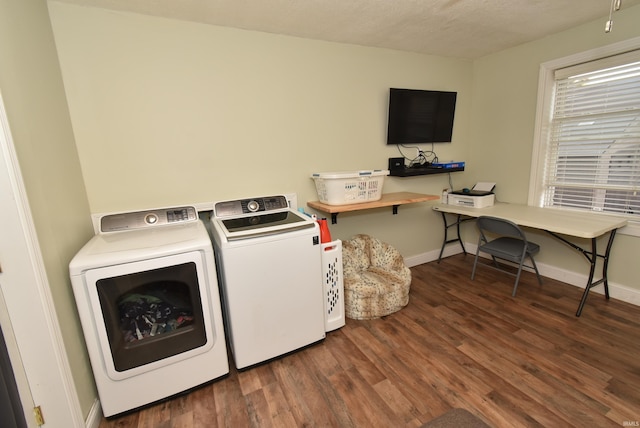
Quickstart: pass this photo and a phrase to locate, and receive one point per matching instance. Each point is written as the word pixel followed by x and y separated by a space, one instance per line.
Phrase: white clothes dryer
pixel 147 295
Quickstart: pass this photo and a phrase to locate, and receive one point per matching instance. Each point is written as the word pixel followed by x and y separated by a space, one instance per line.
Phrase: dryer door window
pixel 151 315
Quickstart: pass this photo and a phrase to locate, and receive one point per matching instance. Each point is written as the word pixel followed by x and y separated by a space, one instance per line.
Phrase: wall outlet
pixel 292 199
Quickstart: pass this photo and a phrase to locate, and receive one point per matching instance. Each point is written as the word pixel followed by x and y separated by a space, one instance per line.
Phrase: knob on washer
pixel 253 206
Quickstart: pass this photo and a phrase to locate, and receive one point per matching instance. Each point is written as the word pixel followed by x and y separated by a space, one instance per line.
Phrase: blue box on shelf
pixel 448 165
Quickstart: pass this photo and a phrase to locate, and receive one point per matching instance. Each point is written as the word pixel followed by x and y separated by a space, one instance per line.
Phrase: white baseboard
pixel 616 291
pixel 95 415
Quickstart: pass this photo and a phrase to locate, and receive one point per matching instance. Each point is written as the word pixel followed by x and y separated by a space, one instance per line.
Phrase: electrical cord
pixel 424 157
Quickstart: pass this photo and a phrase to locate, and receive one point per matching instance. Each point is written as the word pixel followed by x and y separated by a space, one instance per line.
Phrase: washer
pixel 269 266
pixel 147 295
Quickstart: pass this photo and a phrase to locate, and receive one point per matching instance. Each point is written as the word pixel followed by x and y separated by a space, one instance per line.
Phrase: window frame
pixel 544 107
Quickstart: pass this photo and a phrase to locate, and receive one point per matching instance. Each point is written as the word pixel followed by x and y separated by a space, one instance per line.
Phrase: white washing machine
pixel 147 295
pixel 269 265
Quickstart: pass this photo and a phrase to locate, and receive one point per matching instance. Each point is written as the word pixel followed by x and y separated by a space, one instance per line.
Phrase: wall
pixel 503 118
pixel 167 112
pixel 36 108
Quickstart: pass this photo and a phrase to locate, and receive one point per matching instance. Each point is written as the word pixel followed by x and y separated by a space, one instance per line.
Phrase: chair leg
pixel 475 263
pixel 515 286
pixel 495 262
pixel 535 267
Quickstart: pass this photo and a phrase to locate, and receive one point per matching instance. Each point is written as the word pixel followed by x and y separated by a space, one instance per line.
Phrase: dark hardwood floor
pixel 514 362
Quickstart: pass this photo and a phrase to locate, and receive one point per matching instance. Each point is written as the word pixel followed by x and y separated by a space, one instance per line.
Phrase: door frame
pixel 27 314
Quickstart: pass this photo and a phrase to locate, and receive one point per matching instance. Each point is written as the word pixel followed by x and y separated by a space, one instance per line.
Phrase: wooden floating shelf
pixel 393 200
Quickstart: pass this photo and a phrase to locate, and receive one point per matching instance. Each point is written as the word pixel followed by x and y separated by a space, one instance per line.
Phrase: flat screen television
pixel 418 116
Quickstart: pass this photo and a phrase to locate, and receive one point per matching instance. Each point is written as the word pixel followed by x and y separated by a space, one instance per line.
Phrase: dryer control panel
pixel 145 219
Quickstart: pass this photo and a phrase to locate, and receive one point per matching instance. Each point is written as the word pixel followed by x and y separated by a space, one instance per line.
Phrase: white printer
pixel 480 196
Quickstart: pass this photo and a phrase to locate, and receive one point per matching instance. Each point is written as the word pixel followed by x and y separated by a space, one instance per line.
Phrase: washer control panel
pixel 252 205
pixel 145 219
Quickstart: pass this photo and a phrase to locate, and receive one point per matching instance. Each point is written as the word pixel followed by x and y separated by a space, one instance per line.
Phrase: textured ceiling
pixel 454 28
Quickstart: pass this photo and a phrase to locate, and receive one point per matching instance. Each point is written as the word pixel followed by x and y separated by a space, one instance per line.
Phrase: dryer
pixel 147 294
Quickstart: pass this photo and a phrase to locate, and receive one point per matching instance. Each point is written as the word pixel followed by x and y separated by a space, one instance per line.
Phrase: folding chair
pixel 503 239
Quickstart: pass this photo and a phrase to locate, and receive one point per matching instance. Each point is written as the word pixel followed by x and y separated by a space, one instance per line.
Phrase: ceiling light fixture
pixel 615 6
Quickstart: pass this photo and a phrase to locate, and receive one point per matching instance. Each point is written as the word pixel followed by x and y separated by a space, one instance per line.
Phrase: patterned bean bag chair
pixel 376 280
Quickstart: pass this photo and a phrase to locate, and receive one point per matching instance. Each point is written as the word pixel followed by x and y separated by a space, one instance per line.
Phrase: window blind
pixel 593 157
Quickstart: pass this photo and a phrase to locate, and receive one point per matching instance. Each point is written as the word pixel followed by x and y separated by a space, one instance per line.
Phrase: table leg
pixel 593 259
pixel 592 256
pixel 446 240
pixel 605 264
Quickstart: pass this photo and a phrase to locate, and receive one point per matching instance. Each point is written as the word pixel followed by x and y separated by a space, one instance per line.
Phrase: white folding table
pixel 553 221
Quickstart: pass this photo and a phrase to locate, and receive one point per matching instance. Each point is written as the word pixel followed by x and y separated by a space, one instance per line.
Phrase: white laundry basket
pixel 332 278
pixel 342 188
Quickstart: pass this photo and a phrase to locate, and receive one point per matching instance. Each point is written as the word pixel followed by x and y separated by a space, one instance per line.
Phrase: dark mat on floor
pixel 456 418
